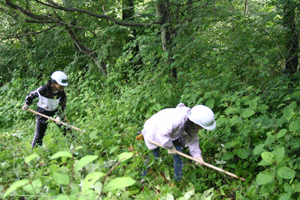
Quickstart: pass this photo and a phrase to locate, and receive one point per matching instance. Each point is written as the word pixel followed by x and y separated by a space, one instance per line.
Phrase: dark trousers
pixel 41 126
pixel 178 164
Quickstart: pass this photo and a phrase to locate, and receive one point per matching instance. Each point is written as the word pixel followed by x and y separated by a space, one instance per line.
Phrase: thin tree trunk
pixel 164 17
pixel 291 63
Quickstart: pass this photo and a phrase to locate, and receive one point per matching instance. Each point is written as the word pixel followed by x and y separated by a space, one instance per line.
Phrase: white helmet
pixel 203 116
pixel 60 77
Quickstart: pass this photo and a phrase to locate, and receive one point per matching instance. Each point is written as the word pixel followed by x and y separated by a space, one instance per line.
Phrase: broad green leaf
pixel 228 155
pixel 258 149
pixel 263 163
pixel 118 183
pixel 264 178
pixel 285 196
pixel 31 157
pixel 98 187
pixel 288 188
pixel 286 173
pixel 61 179
pixel 281 133
pixel 170 197
pixel 208 194
pixel 85 160
pixel 230 110
pixel 90 180
pixel 125 156
pixel 252 103
pixel 157 107
pixel 37 184
pixel 294 126
pixel 15 186
pixel 242 153
pixel 248 112
pixel 113 149
pixel 61 154
pixel 297 187
pixel 190 192
pixel 62 197
pixel 210 103
pixel 235 119
pixel 288 113
pixel 278 154
pixel 268 157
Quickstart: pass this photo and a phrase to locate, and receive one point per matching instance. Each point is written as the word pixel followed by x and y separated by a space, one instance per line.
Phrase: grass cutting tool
pixel 50 118
pixel 204 163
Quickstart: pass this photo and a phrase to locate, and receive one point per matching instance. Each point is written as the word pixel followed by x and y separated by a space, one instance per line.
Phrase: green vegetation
pixel 240 61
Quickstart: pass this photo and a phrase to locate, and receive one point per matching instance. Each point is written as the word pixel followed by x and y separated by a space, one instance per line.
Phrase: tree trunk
pixel 291 43
pixel 128 15
pixel 166 33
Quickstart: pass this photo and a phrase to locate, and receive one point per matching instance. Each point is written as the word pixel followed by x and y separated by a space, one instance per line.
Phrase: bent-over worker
pixel 175 128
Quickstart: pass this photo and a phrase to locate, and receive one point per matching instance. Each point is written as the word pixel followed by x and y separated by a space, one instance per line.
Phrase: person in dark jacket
pixel 52 101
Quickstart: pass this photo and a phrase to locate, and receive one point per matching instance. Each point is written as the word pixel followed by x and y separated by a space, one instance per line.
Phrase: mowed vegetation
pixel 127 60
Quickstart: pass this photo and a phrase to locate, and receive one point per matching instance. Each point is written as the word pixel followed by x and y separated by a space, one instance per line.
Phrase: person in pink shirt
pixel 175 128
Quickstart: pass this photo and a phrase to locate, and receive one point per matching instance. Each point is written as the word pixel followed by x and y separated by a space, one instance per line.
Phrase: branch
pixel 26 12
pixel 31 33
pixel 56 6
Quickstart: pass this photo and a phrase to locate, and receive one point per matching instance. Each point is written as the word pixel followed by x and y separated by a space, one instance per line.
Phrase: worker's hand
pixel 140 137
pixel 200 160
pixel 25 107
pixel 58 120
pixel 172 150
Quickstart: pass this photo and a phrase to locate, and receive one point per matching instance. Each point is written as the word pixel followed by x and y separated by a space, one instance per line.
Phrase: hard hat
pixel 60 77
pixel 203 116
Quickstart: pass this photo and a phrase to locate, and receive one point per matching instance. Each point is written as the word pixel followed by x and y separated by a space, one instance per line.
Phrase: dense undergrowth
pixel 257 138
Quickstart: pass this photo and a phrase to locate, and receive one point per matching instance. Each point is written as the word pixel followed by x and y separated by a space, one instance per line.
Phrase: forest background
pixel 128 59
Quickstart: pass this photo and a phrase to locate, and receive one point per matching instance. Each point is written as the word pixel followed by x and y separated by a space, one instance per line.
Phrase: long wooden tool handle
pixel 50 118
pixel 194 159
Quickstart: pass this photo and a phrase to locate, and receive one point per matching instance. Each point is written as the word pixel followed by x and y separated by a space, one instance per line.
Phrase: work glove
pixel 200 160
pixel 172 150
pixel 58 120
pixel 139 137
pixel 25 107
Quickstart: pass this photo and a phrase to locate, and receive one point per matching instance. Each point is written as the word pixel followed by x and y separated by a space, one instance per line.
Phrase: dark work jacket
pixel 46 91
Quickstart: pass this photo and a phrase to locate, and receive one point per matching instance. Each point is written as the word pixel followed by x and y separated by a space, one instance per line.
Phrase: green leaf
pixel 288 113
pixel 294 126
pixel 285 196
pixel 228 155
pixel 297 187
pixel 118 183
pixel 61 179
pixel 113 149
pixel 278 153
pixel 264 178
pixel 210 103
pixel 248 112
pixel 37 184
pixel 90 180
pixel 62 197
pixel 61 154
pixel 85 160
pixel 281 133
pixel 253 103
pixel 31 157
pixel 268 157
pixel 259 149
pixel 242 153
pixel 125 156
pixel 286 173
pixel 15 186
